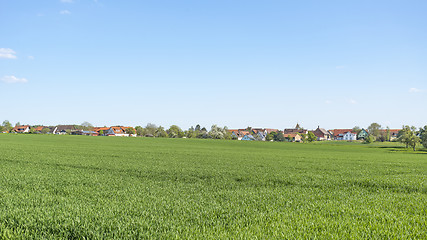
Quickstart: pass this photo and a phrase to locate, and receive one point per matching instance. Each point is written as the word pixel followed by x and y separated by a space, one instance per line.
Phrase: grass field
pixel 79 187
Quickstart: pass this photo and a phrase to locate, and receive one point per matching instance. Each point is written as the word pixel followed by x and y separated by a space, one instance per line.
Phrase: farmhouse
pixel 339 134
pixel 350 136
pixel 293 136
pixel 322 134
pixel 362 134
pixel 119 131
pixel 394 133
pixel 295 130
pixel 64 129
pixel 21 129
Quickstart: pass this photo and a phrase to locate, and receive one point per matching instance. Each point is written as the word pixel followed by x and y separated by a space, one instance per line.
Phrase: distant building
pixel 295 130
pixel 339 133
pixel 248 137
pixel 350 136
pixel 322 134
pixel 21 129
pixel 64 129
pixel 293 136
pixel 119 131
pixel 363 134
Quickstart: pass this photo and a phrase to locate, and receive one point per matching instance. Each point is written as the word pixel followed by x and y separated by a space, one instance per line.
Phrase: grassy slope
pixel 105 187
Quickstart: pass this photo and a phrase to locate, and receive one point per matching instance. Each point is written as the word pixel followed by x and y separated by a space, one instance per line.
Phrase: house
pixel 293 136
pixel 270 130
pixel 362 134
pixel 119 131
pixel 350 136
pixel 339 133
pixel 322 134
pixel 99 129
pixel 85 133
pixel 394 133
pixel 40 129
pixel 248 137
pixel 295 130
pixel 64 129
pixel 259 133
pixel 21 129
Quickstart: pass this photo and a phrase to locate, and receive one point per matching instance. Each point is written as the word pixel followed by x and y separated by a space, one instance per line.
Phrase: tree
pixel 303 137
pixel 175 132
pixel 130 131
pixel 279 137
pixel 45 130
pixel 423 134
pixel 1 129
pixel 369 139
pixel 387 136
pixel 7 126
pixel 408 136
pixel 17 124
pixel 218 132
pixel 374 129
pixel 150 129
pixel 357 129
pixel 270 136
pixel 160 132
pixel 140 131
pixel 87 126
pixel 311 137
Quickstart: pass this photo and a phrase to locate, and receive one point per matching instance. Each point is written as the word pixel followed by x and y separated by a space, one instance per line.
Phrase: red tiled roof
pixel 338 132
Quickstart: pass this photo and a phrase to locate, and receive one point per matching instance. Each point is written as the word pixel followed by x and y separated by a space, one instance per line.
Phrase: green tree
pixel 130 131
pixel 408 136
pixel 279 137
pixel 387 136
pixel 175 132
pixel 160 132
pixel 218 132
pixel 150 129
pixel 1 129
pixel 423 134
pixel 45 130
pixel 369 139
pixel 374 130
pixel 311 137
pixel 139 131
pixel 270 136
pixel 357 129
pixel 86 126
pixel 303 137
pixel 7 126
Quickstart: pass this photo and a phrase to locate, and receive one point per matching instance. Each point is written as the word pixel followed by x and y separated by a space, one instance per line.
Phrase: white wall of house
pixel 348 136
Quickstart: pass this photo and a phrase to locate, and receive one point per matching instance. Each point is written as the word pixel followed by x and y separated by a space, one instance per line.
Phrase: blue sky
pixel 336 64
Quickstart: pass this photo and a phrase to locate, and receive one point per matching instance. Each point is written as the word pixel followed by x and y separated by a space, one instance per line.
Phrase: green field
pixel 80 187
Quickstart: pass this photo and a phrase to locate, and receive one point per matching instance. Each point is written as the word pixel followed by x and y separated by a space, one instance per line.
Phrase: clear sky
pixel 272 64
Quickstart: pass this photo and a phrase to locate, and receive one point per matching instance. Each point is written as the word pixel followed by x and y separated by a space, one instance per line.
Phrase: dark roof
pixel 61 128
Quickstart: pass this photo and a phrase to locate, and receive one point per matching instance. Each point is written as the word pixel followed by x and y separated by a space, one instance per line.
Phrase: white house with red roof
pixel 21 129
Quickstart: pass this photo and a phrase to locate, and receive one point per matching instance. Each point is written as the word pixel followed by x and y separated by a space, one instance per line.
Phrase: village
pixel 296 134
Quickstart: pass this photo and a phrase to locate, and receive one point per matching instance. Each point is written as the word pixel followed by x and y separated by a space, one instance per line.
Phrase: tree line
pixel 408 135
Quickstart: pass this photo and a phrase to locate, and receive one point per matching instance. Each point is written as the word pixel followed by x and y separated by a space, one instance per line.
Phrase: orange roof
pixel 22 127
pixel 39 128
pixel 97 129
